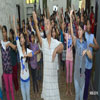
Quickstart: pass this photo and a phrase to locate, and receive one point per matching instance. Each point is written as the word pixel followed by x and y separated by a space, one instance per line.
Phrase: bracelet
pixel 17 37
pixel 32 53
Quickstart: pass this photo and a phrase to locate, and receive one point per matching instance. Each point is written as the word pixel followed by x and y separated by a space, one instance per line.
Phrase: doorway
pixel 18 14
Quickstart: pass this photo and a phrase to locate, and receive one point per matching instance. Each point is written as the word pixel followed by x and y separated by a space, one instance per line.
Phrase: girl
pixel 81 53
pixel 33 62
pixel 92 44
pixel 24 53
pixel 13 55
pixel 69 59
pixel 53 34
pixel 6 62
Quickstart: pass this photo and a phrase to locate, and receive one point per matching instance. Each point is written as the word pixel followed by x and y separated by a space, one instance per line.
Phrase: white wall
pixel 8 8
pixel 60 3
pixel 41 5
pixel 76 4
pixel 93 4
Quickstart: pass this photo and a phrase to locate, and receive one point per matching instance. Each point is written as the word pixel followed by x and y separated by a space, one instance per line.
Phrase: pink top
pixel 69 51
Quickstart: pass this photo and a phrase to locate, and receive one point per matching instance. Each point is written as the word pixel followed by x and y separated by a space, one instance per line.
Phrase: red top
pixel 92 26
pixel 91 16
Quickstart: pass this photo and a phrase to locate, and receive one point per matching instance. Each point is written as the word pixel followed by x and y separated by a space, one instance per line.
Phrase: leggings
pixel 69 70
pixel 34 78
pixel 9 85
pixel 87 82
pixel 15 78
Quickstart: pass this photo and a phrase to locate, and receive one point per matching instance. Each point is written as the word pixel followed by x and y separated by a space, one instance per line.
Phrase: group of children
pixel 41 37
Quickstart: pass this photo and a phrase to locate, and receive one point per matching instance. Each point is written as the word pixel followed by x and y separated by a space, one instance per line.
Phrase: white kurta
pixel 50 90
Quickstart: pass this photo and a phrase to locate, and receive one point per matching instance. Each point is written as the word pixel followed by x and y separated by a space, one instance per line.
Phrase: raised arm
pixel 48 13
pixel 37 29
pixel 73 37
pixel 15 26
pixel 32 30
pixel 0 27
pixel 63 25
pixel 17 38
pixel 11 26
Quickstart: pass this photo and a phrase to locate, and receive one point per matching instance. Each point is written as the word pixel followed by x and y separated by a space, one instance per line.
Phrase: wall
pixel 60 3
pixel 76 4
pixel 97 70
pixel 93 4
pixel 30 8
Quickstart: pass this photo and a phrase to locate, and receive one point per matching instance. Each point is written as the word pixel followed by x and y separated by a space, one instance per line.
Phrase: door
pixel 18 14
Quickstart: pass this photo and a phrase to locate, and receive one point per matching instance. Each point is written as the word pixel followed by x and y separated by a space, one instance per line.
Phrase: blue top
pixel 89 40
pixel 62 38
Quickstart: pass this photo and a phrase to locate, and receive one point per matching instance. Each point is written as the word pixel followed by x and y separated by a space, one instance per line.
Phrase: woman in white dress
pixel 50 47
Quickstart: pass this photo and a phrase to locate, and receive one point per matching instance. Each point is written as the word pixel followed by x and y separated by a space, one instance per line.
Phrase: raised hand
pixel 63 17
pixel 71 12
pixel 35 18
pixel 48 13
pixel 29 21
pixel 36 27
pixel 0 26
pixel 57 15
pixel 14 21
pixel 14 25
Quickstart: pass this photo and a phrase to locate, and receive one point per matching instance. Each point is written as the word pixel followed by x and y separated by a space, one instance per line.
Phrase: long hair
pixel 4 27
pixel 52 31
pixel 12 32
pixel 25 44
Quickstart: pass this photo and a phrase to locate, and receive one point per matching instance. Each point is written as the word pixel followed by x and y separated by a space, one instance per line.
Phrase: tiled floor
pixel 62 86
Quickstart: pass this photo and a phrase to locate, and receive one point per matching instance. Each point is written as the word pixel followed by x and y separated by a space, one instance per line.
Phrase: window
pixel 31 1
pixel 82 4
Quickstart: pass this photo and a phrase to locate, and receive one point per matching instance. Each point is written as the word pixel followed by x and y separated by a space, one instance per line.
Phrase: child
pixel 69 59
pixel 33 62
pixel 50 48
pixel 53 34
pixel 6 62
pixel 80 60
pixel 92 44
pixel 24 53
pixel 13 55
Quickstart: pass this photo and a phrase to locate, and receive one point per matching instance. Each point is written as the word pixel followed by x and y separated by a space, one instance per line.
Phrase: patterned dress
pixel 50 90
pixel 6 60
